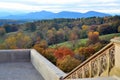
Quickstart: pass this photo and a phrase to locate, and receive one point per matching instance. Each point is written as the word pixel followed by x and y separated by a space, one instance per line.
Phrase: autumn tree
pixel 30 26
pixel 61 52
pixel 51 37
pixel 106 29
pixel 93 28
pixel 119 29
pixel 38 39
pixel 73 38
pixel 41 47
pixel 18 41
pixel 10 28
pixel 97 46
pixel 84 52
pixel 2 31
pixel 67 31
pixel 49 54
pixel 93 37
pixel 68 63
pixel 76 29
pixel 84 27
pixel 83 31
pixel 60 36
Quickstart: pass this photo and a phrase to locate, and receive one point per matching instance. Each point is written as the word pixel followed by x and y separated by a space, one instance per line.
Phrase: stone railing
pixel 99 64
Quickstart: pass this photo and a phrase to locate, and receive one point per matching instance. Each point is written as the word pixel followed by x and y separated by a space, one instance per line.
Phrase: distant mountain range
pixel 50 15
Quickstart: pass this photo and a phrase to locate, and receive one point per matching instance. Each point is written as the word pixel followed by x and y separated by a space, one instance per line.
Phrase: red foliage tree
pixel 61 52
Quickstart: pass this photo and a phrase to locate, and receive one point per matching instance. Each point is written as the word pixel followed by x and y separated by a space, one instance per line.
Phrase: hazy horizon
pixel 26 6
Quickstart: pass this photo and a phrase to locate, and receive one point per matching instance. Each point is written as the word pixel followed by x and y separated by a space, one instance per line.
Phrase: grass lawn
pixel 83 41
pixel 109 36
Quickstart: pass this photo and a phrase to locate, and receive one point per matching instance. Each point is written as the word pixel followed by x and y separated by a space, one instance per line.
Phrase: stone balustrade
pixel 97 65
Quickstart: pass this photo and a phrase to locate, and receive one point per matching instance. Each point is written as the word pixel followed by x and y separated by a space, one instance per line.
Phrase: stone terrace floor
pixel 19 71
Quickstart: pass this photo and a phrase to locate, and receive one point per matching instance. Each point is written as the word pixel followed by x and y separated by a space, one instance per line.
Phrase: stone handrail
pixel 97 65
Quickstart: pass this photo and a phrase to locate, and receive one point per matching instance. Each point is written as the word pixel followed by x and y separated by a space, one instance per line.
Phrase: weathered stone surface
pixel 19 71
pixel 11 58
pixel 100 78
pixel 14 55
pixel 116 42
pixel 45 68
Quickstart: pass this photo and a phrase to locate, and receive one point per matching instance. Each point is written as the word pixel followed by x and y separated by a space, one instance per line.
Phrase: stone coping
pixel 38 60
pixel 116 40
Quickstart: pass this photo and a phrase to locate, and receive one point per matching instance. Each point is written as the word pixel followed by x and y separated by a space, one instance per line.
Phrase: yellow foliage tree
pixel 84 27
pixel 17 41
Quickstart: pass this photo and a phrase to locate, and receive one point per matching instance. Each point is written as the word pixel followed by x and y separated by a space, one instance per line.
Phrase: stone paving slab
pixel 19 71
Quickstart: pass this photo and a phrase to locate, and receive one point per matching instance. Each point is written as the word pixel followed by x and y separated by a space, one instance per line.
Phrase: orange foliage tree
pixel 93 37
pixel 61 52
pixel 41 47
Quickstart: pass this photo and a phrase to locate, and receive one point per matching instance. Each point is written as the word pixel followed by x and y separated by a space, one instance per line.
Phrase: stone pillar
pixel 116 42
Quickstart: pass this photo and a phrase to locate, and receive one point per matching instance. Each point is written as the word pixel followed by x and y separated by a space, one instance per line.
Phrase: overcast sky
pixel 107 6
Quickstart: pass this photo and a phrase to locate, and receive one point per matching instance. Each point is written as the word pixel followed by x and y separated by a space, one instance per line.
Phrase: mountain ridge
pixel 51 15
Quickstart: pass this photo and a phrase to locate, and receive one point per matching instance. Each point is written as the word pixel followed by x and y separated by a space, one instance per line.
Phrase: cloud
pixel 107 6
pixel 17 6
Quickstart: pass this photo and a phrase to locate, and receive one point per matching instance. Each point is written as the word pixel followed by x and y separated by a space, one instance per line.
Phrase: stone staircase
pixel 103 65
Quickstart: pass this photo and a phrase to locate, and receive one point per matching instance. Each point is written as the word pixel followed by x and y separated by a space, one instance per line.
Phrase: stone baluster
pixel 94 65
pixel 90 69
pixel 111 58
pixel 79 73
